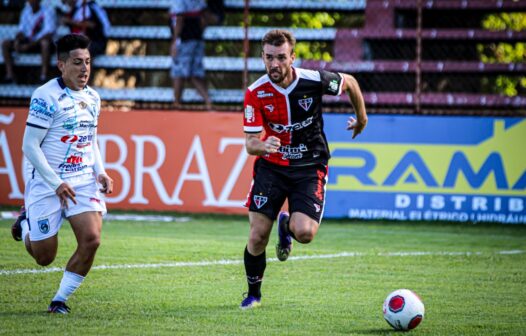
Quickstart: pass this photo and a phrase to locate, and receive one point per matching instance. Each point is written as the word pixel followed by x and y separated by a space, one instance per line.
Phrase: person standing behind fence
pixel 90 19
pixel 35 32
pixel 188 48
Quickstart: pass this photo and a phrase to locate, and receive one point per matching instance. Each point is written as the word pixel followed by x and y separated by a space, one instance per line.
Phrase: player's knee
pixel 304 236
pixel 258 240
pixel 90 244
pixel 44 259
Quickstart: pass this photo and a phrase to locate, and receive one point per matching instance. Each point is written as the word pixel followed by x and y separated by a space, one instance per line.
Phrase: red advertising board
pixel 160 160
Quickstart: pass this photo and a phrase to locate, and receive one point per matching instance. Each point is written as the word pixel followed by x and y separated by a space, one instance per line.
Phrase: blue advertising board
pixel 428 168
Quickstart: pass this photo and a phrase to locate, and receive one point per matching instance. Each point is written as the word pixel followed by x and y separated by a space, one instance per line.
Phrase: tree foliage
pixel 505 52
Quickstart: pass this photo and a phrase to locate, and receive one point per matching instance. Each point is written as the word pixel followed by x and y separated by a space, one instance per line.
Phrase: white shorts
pixel 45 215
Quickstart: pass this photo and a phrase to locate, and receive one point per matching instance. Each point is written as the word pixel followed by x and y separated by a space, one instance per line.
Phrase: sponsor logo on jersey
pixel 278 128
pixel 67 108
pixel 43 225
pixel 74 159
pixel 70 123
pixel 263 94
pixel 260 201
pixel 249 113
pixel 84 141
pixel 39 106
pixel 292 153
pixel 270 108
pixel 69 139
pixel 305 103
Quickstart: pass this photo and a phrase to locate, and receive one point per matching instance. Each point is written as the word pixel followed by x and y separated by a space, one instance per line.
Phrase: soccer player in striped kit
pixel 283 125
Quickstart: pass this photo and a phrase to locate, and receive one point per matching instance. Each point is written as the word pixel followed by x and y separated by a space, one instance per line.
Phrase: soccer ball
pixel 403 309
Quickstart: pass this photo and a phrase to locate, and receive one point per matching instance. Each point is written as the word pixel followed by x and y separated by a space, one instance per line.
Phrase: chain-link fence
pixel 409 56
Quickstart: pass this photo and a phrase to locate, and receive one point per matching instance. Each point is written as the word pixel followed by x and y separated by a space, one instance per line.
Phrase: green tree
pixel 505 52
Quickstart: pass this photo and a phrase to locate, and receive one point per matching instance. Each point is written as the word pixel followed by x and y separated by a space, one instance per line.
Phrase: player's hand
pixel 272 144
pixel 107 184
pixel 65 192
pixel 356 126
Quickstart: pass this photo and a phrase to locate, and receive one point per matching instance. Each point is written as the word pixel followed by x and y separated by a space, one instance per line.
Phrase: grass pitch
pixel 472 279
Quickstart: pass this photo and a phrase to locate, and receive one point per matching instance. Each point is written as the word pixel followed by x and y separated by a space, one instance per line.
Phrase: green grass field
pixel 480 290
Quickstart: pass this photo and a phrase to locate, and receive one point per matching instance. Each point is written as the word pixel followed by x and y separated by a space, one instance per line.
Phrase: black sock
pixel 254 267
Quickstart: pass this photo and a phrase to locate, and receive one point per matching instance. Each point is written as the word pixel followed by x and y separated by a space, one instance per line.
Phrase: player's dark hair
pixel 71 42
pixel 278 37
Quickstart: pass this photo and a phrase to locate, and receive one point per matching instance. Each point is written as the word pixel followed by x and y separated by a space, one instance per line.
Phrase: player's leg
pixel 85 218
pixel 306 204
pixel 303 227
pixel 265 199
pixel 255 258
pixel 87 228
pixel 40 229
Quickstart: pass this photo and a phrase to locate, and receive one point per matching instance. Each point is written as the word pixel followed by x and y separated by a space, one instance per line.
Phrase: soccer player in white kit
pixel 65 166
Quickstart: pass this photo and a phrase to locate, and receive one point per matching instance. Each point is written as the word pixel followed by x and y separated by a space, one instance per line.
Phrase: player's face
pixel 278 62
pixel 76 69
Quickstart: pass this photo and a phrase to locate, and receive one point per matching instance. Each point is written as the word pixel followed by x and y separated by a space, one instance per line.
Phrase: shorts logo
pixel 93 199
pixel 43 225
pixel 260 201
pixel 317 207
pixel 305 103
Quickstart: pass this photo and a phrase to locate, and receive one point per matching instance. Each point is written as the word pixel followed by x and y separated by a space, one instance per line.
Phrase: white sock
pixel 25 229
pixel 69 284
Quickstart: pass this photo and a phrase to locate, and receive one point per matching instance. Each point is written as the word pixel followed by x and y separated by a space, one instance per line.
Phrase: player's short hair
pixel 71 42
pixel 278 37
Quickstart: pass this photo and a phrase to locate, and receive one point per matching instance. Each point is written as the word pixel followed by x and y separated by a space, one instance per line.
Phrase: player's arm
pixel 255 146
pixel 33 137
pixel 351 87
pixel 102 177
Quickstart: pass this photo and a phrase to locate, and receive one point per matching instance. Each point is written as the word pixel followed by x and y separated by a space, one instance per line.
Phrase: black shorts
pixel 303 186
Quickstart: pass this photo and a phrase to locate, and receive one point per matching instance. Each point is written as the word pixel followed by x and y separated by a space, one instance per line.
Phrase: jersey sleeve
pixel 252 118
pixel 41 110
pixel 331 82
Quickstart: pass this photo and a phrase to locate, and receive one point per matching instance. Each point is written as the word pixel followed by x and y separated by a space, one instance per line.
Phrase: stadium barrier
pixel 400 168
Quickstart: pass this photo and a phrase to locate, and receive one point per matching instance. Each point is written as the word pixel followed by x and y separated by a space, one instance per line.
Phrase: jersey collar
pixel 292 85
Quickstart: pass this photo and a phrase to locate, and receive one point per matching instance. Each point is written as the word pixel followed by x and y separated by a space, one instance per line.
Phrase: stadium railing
pixel 349 50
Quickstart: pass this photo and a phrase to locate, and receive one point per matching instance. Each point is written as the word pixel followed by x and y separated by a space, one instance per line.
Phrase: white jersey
pixel 71 119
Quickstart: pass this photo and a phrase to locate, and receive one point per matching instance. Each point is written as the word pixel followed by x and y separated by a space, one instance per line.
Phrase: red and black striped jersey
pixel 293 114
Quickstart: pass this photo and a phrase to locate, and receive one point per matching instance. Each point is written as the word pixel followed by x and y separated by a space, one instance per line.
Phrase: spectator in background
pixel 90 19
pixel 188 48
pixel 35 32
pixel 214 13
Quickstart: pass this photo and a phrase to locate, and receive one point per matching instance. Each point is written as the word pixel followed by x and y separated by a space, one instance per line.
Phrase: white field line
pixel 238 262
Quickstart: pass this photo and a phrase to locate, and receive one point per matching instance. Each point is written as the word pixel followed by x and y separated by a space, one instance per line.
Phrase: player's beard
pixel 280 78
